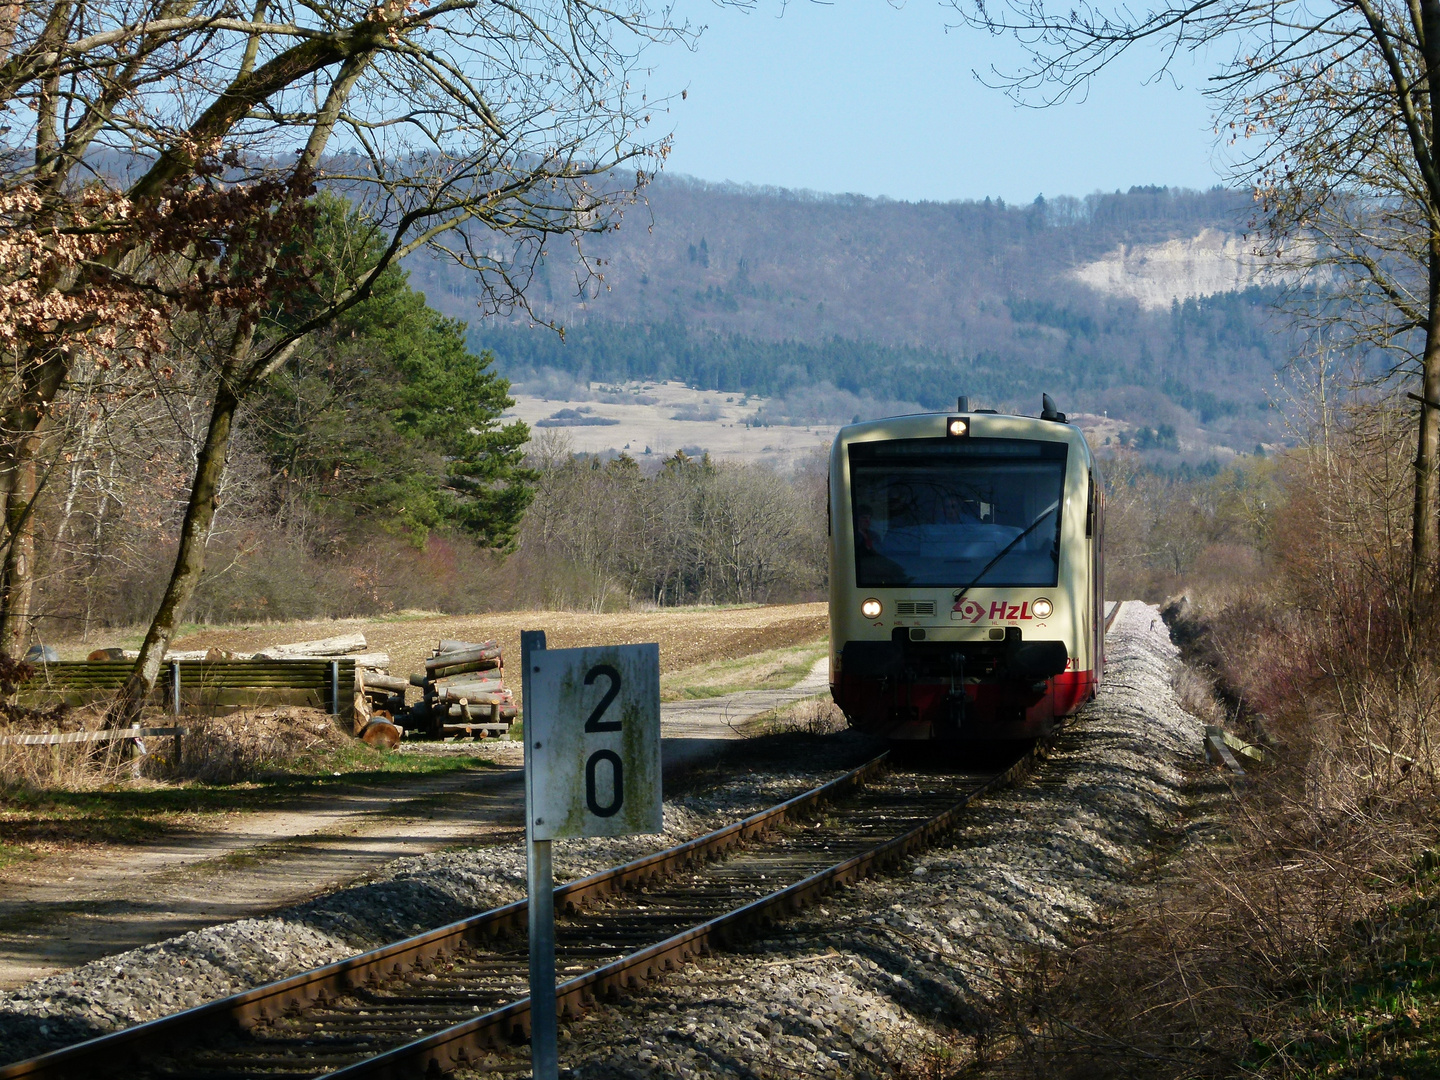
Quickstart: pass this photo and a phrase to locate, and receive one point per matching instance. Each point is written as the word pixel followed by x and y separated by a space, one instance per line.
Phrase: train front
pixel 965 575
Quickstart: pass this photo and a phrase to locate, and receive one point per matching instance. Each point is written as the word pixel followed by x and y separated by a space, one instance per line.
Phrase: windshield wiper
pixel 1007 549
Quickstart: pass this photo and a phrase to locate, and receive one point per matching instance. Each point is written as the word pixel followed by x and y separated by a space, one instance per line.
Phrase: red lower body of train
pixel 951 691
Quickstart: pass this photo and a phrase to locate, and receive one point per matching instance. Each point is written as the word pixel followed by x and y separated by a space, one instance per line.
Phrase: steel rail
pixel 108 1053
pixel 462 1044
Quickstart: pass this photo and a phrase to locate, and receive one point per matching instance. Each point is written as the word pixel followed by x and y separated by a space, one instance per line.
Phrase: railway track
pixel 444 998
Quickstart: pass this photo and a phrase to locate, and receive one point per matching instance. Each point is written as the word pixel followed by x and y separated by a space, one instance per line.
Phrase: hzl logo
pixel 973 611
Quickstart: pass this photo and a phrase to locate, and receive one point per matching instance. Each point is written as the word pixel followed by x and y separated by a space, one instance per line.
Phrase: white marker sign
pixel 592 735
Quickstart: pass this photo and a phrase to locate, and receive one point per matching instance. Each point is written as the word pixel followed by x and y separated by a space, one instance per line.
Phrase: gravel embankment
pixel 411 895
pixel 891 977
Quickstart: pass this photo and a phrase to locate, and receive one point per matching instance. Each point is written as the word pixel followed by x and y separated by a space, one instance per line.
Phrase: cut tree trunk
pixel 469 693
pixel 391 683
pixel 344 645
pixel 487 651
pixel 376 661
pixel 450 645
pixel 484 678
pixel 462 669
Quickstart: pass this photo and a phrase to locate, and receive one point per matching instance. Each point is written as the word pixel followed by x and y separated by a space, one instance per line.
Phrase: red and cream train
pixel 966 574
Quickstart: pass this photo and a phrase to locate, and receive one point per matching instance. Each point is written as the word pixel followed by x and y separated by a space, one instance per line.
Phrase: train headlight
pixel 1042 608
pixel 870 608
pixel 958 426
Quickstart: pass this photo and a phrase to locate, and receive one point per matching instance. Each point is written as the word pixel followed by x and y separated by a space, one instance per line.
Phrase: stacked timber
pixel 464 691
pixel 378 694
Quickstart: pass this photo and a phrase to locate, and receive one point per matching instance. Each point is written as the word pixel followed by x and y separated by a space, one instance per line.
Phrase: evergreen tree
pixel 388 416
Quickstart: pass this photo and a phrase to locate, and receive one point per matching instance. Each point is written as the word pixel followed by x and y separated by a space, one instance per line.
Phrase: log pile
pixel 379 696
pixel 464 691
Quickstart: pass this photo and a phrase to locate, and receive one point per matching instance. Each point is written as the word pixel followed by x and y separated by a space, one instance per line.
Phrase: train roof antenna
pixel 964 405
pixel 1048 410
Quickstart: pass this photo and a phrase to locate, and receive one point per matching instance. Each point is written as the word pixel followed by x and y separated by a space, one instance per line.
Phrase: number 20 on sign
pixel 592 728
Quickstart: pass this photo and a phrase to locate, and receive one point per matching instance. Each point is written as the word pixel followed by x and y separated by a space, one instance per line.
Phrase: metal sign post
pixel 592 768
pixel 540 882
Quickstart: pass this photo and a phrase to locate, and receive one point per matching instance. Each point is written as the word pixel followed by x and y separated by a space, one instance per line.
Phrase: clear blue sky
pixel 859 96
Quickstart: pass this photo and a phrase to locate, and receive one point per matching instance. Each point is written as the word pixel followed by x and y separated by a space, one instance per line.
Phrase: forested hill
pixel 1144 303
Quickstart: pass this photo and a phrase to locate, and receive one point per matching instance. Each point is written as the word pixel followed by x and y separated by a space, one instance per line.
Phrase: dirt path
pixel 723 717
pixel 71 909
pixel 77 908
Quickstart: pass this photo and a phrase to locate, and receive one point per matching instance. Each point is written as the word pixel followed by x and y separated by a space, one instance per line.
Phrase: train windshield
pixel 932 512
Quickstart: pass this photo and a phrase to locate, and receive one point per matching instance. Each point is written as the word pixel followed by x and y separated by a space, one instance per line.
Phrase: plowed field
pixel 687 636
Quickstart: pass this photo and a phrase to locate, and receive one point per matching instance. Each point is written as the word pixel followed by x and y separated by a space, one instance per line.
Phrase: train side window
pixel 1090 510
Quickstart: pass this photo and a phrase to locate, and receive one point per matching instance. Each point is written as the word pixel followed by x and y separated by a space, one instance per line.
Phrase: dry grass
pixel 1275 951
pixel 73 766
pixel 1233 965
pixel 773 669
pixel 813 716
pixel 703 651
pixel 215 749
pixel 247 744
pixel 687 636
pixel 260 758
pixel 1275 941
pixel 254 760
pixel 653 423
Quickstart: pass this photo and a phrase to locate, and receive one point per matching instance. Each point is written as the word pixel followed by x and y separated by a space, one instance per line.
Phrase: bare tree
pixel 1329 108
pixel 693 532
pixel 171 151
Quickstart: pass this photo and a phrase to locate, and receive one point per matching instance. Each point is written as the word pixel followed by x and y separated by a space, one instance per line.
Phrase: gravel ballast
pixel 890 977
pixel 411 895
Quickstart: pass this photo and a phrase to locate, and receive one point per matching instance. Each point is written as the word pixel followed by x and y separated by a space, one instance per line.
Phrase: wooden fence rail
pixel 61 738
pixel 324 683
pixel 138 734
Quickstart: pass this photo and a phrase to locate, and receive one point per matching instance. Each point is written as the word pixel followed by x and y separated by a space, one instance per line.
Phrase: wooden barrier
pixel 224 684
